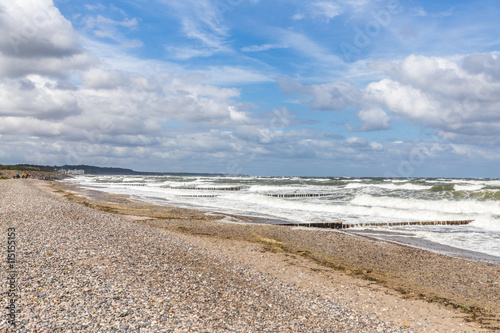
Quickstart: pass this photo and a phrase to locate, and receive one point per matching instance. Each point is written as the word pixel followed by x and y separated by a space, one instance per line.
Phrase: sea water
pixel 336 199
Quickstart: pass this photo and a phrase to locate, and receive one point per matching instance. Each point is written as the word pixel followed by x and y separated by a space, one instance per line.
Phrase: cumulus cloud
pixel 355 142
pixel 80 111
pixel 36 97
pixel 62 105
pixel 486 64
pixel 35 32
pixel 459 99
pixel 454 98
pixel 333 96
pixel 374 120
pixel 32 30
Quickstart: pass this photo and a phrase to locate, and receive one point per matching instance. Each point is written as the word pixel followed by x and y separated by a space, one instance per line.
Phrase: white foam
pixel 392 186
pixel 487 222
pixel 440 206
pixel 470 187
pixel 359 200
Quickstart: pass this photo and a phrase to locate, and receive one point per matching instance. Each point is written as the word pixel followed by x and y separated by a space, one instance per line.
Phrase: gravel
pixel 89 271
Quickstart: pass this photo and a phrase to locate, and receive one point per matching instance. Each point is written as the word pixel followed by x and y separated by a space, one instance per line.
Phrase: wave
pixel 441 206
pixel 442 188
pixel 349 200
pixel 393 186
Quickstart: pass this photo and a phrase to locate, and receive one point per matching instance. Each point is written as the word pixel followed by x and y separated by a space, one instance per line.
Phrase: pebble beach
pixel 81 269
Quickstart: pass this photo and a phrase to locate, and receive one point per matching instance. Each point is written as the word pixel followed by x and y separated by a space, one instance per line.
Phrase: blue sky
pixel 319 88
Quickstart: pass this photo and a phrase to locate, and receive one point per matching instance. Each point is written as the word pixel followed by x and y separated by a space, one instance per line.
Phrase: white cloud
pixel 356 142
pixel 404 100
pixel 298 17
pixel 319 10
pixel 201 21
pixel 35 30
pixel 116 113
pixel 446 13
pixel 446 95
pixel 118 59
pixel 459 99
pixel 97 78
pixel 326 97
pixel 97 7
pixel 474 152
pixel 421 12
pixel 333 96
pixel 99 22
pixel 29 126
pixel 485 64
pixel 362 144
pixel 376 146
pixel 186 53
pixel 107 28
pixel 325 9
pixel 31 33
pixel 309 48
pixel 264 47
pixel 37 98
pixel 225 75
pixel 70 98
pixel 52 66
pixel 374 120
pixel 356 4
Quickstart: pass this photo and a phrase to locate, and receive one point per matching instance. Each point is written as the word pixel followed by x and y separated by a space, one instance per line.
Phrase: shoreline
pixel 394 237
pixel 426 245
pixel 459 287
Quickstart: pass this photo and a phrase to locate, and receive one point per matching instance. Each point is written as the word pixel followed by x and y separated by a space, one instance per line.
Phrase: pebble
pixel 89 271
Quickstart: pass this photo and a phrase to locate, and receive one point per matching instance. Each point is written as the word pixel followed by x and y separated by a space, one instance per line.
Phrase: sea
pixel 368 204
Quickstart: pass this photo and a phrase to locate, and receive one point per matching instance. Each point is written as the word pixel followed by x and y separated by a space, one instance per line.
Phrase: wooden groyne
pixel 299 195
pixel 198 196
pixel 231 188
pixel 340 225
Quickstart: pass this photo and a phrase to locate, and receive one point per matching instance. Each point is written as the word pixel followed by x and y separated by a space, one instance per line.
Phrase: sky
pixel 389 88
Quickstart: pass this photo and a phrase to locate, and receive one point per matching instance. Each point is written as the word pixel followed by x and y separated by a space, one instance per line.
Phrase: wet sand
pixel 419 243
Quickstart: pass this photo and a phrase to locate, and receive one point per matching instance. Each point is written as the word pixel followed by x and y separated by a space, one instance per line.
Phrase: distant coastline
pixel 95 170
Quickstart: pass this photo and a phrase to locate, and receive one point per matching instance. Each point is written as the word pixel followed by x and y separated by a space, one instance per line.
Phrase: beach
pixel 107 263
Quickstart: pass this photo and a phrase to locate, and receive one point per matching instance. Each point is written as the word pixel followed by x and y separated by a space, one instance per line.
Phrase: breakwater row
pixel 299 195
pixel 231 188
pixel 340 225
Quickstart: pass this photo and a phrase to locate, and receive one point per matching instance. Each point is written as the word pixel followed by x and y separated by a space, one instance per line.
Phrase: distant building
pixel 75 172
